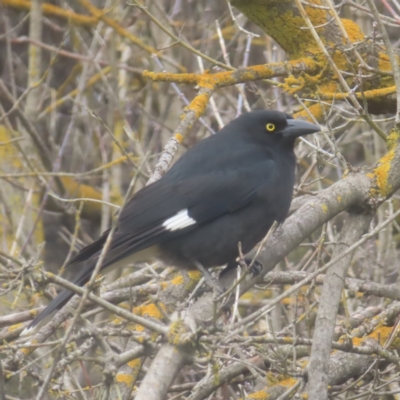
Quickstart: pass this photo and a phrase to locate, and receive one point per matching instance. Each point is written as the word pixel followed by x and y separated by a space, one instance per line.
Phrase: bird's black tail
pixel 58 302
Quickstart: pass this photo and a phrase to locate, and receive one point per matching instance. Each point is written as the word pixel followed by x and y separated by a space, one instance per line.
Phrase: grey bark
pixel 318 370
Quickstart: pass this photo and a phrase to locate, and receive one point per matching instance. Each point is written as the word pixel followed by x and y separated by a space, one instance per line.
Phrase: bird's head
pixel 274 126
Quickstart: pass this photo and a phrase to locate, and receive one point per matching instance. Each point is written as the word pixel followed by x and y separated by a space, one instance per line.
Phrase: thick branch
pixel 161 373
pixel 354 227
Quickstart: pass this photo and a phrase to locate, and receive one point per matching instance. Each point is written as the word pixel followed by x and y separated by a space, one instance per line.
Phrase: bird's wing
pixel 160 211
pixel 164 210
pixel 204 197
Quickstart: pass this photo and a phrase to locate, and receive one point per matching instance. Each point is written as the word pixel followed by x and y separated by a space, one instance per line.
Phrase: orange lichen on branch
pixel 292 84
pixel 198 104
pixel 189 79
pixel 14 327
pixel 210 82
pixel 393 139
pixel 26 351
pixel 275 390
pixel 189 279
pixel 195 275
pixel 178 280
pixel 135 364
pixel 148 310
pixel 380 174
pixel 229 78
pixel 384 62
pixel 316 110
pixel 128 374
pixel 100 14
pixel 288 382
pixel 52 10
pixel 368 94
pixel 179 137
pixel 381 335
pixel 284 22
pixel 353 31
pixel 127 379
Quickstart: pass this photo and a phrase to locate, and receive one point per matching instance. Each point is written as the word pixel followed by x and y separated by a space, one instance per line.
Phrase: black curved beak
pixel 298 127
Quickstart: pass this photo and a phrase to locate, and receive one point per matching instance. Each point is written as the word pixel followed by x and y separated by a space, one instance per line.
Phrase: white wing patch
pixel 27 331
pixel 178 221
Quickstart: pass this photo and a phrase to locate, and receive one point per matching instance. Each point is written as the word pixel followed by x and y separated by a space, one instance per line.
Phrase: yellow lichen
pixel 324 208
pixel 175 331
pixel 195 275
pixel 353 30
pixel 384 62
pixel 138 328
pixel 178 280
pixel 136 363
pixel 27 350
pixel 289 382
pixel 292 84
pixel 381 174
pixel 14 327
pixel 260 395
pixel 316 110
pixel 264 395
pixel 393 139
pixel 317 15
pixel 381 334
pixel 117 321
pixel 50 9
pixel 178 137
pixel 124 378
pixel 148 310
pixel 198 104
pixel 357 341
pixel 191 79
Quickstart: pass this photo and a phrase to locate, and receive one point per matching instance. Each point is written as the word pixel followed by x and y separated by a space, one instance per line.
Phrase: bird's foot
pixel 255 267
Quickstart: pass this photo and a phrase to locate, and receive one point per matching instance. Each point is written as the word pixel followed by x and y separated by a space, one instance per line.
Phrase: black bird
pixel 228 188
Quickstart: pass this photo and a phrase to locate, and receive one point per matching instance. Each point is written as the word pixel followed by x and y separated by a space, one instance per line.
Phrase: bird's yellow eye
pixel 270 127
